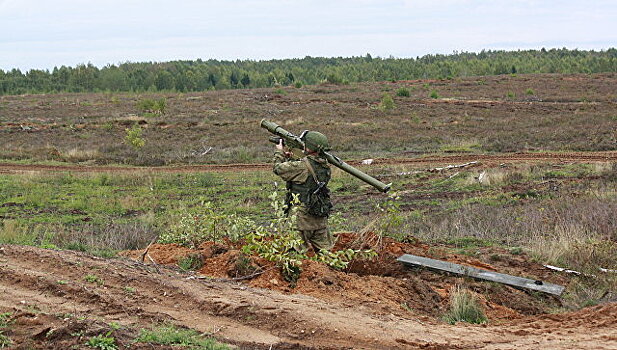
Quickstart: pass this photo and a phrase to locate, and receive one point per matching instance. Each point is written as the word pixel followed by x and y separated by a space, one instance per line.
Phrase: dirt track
pixel 610 156
pixel 260 318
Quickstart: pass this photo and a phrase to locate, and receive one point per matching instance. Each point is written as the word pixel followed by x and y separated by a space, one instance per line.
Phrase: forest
pixel 200 75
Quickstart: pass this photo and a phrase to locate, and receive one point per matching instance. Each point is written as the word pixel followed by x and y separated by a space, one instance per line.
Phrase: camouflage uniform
pixel 313 229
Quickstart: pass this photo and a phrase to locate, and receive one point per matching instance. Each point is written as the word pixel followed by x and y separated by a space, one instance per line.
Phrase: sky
pixel 43 34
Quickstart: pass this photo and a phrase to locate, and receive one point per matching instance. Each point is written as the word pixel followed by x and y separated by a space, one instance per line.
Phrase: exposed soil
pixel 328 309
pixel 382 285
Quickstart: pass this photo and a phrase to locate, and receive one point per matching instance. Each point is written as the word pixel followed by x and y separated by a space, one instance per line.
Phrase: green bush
pixel 529 92
pixel 387 103
pixel 207 223
pixel 434 94
pixel 152 107
pixel 134 137
pixel 403 92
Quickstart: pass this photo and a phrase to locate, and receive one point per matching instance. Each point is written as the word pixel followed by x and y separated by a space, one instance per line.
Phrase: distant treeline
pixel 201 75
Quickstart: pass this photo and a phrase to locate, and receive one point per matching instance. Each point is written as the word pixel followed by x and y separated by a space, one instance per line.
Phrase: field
pixel 533 182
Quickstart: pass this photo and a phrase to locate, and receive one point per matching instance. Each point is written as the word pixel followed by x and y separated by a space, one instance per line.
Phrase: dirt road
pixel 609 156
pixel 54 282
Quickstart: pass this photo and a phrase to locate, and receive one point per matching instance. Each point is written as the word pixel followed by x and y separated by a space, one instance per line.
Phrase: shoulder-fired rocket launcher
pixel 293 141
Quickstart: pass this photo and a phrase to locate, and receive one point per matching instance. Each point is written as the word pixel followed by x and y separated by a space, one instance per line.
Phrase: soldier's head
pixel 315 142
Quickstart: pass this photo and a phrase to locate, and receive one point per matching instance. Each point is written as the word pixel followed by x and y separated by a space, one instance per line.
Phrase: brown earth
pixel 376 305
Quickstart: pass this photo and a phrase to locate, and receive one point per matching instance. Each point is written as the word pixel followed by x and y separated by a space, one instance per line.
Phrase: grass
pixel 191 262
pixel 5 341
pixel 93 279
pixel 464 307
pixel 560 214
pixel 102 342
pixel 168 334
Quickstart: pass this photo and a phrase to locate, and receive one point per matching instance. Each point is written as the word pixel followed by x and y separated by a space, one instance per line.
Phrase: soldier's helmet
pixel 316 141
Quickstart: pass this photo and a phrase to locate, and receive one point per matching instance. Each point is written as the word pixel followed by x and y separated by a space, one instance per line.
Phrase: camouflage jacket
pixel 297 172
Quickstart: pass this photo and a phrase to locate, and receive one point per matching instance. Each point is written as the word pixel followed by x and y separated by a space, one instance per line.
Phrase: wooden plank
pixel 519 282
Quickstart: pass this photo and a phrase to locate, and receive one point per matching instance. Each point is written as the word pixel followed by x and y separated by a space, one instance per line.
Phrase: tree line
pixel 199 75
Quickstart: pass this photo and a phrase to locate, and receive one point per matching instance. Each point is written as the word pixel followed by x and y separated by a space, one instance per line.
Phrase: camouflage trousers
pixel 317 239
pixel 314 232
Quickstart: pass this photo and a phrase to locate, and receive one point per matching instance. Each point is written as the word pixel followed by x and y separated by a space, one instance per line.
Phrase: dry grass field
pixel 507 113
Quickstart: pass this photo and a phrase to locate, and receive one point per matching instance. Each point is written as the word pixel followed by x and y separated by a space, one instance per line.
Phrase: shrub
pixel 207 224
pixel 387 103
pixel 403 92
pixel 279 243
pixel 434 94
pixel 464 307
pixel 529 92
pixel 152 107
pixel 510 95
pixel 298 85
pixel 191 262
pixel 134 137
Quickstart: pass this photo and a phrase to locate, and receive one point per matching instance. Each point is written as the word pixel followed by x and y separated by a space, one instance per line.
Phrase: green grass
pixel 93 279
pixel 178 337
pixel 464 307
pixel 5 341
pixel 102 342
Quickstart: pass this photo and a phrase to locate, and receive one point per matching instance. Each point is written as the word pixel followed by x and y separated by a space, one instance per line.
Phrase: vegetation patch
pixel 464 307
pixel 168 334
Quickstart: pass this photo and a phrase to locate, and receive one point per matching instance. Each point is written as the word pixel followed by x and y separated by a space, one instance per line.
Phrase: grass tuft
pixel 464 308
pixel 171 335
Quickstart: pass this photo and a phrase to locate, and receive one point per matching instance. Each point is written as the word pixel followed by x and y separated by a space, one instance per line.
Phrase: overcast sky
pixel 42 34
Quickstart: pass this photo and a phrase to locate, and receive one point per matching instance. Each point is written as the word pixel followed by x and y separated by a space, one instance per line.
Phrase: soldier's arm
pixel 289 170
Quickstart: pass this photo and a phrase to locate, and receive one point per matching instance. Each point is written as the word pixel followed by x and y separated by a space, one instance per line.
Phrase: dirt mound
pixel 382 284
pixel 53 305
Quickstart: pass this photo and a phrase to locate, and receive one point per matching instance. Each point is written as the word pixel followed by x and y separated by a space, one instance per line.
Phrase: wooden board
pixel 519 282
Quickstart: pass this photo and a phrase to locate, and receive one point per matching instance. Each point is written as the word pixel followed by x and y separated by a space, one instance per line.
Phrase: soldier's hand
pixel 279 145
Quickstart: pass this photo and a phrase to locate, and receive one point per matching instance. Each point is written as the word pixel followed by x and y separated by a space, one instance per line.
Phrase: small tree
pixel 134 137
pixel 387 103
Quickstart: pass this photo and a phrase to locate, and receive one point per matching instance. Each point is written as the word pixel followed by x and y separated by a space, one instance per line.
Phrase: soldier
pixel 308 179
